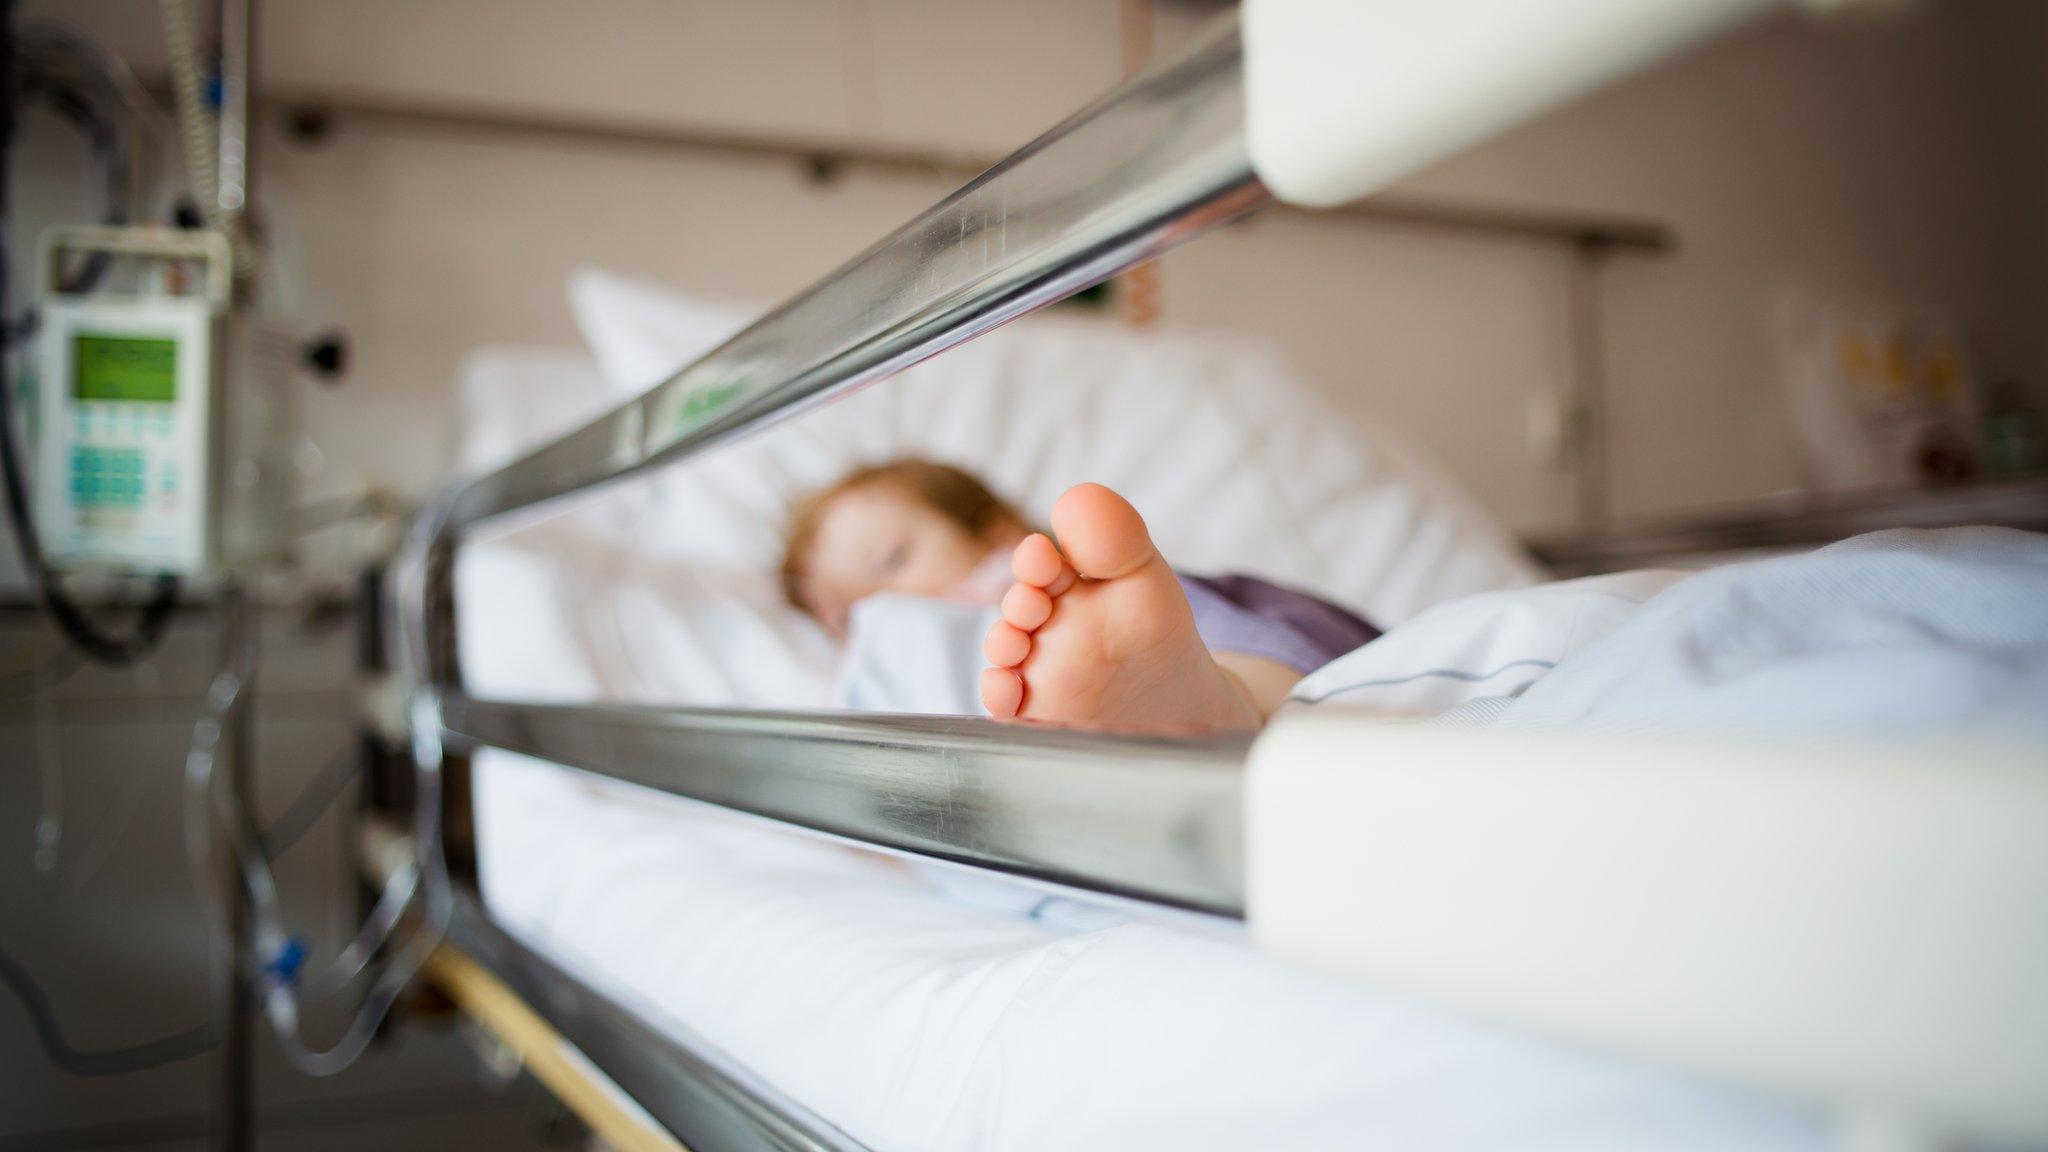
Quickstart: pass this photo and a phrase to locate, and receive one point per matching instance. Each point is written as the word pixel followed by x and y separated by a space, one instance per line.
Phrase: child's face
pixel 879 538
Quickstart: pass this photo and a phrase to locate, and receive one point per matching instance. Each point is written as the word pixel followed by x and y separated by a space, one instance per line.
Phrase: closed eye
pixel 894 558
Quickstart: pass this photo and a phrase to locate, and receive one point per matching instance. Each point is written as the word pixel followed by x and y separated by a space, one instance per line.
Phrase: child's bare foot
pixel 1102 636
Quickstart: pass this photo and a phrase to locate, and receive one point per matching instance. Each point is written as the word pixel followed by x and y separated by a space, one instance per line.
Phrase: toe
pixel 1026 607
pixel 1038 563
pixel 1100 533
pixel 1002 692
pixel 1006 645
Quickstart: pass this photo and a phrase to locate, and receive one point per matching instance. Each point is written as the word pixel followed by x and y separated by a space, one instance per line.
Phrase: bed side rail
pixel 1155 820
pixel 1151 165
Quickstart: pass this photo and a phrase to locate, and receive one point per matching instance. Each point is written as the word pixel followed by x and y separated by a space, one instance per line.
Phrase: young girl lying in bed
pixel 1096 629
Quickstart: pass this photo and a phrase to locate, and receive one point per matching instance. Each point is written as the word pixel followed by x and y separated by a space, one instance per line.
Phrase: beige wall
pixel 1801 165
pixel 1794 162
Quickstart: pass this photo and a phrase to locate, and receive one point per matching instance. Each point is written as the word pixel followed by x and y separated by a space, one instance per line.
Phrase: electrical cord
pixel 58 44
pixel 88 89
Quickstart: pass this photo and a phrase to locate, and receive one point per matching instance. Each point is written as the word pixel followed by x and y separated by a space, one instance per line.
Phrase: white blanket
pixel 1886 632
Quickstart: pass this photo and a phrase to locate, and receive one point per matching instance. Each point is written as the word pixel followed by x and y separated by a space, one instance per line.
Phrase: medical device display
pixel 128 422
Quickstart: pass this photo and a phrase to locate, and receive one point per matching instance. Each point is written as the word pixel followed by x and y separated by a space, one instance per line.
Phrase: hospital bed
pixel 1849 934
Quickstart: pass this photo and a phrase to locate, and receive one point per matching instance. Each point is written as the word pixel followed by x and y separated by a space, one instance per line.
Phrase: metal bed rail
pixel 1152 819
pixel 1156 162
pixel 1153 164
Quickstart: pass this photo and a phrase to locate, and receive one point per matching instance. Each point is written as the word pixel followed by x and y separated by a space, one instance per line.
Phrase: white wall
pixel 1799 163
pixel 1793 162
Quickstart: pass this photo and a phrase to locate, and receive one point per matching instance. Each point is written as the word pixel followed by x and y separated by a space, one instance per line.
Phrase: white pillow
pixel 1236 467
pixel 642 335
pixel 516 399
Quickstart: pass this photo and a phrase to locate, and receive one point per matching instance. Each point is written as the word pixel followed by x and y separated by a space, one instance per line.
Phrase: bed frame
pixel 1859 928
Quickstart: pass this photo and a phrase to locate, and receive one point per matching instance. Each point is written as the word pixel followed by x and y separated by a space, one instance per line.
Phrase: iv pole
pixel 237 619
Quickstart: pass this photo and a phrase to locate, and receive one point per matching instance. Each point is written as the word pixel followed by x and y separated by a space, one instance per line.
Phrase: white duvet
pixel 1906 630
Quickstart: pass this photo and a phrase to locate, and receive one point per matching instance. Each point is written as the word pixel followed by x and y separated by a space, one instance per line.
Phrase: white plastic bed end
pixel 1864 924
pixel 1343 97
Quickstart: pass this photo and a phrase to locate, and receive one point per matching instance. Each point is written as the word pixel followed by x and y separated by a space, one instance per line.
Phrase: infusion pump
pixel 133 432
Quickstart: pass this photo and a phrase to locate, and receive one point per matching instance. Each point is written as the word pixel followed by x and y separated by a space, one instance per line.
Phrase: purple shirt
pixel 1247 615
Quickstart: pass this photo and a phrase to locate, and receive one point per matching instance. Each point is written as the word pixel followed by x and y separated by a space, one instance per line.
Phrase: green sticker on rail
pixel 700 404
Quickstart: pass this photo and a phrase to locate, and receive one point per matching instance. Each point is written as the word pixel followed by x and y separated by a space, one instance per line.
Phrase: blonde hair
pixel 954 493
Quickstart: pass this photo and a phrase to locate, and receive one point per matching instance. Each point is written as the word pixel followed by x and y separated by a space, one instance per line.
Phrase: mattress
pixel 918 1010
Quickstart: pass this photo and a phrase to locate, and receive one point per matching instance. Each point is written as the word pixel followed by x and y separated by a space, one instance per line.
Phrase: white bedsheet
pixel 914 1020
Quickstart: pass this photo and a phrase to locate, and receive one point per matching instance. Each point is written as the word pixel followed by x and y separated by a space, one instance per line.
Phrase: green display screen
pixel 124 368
